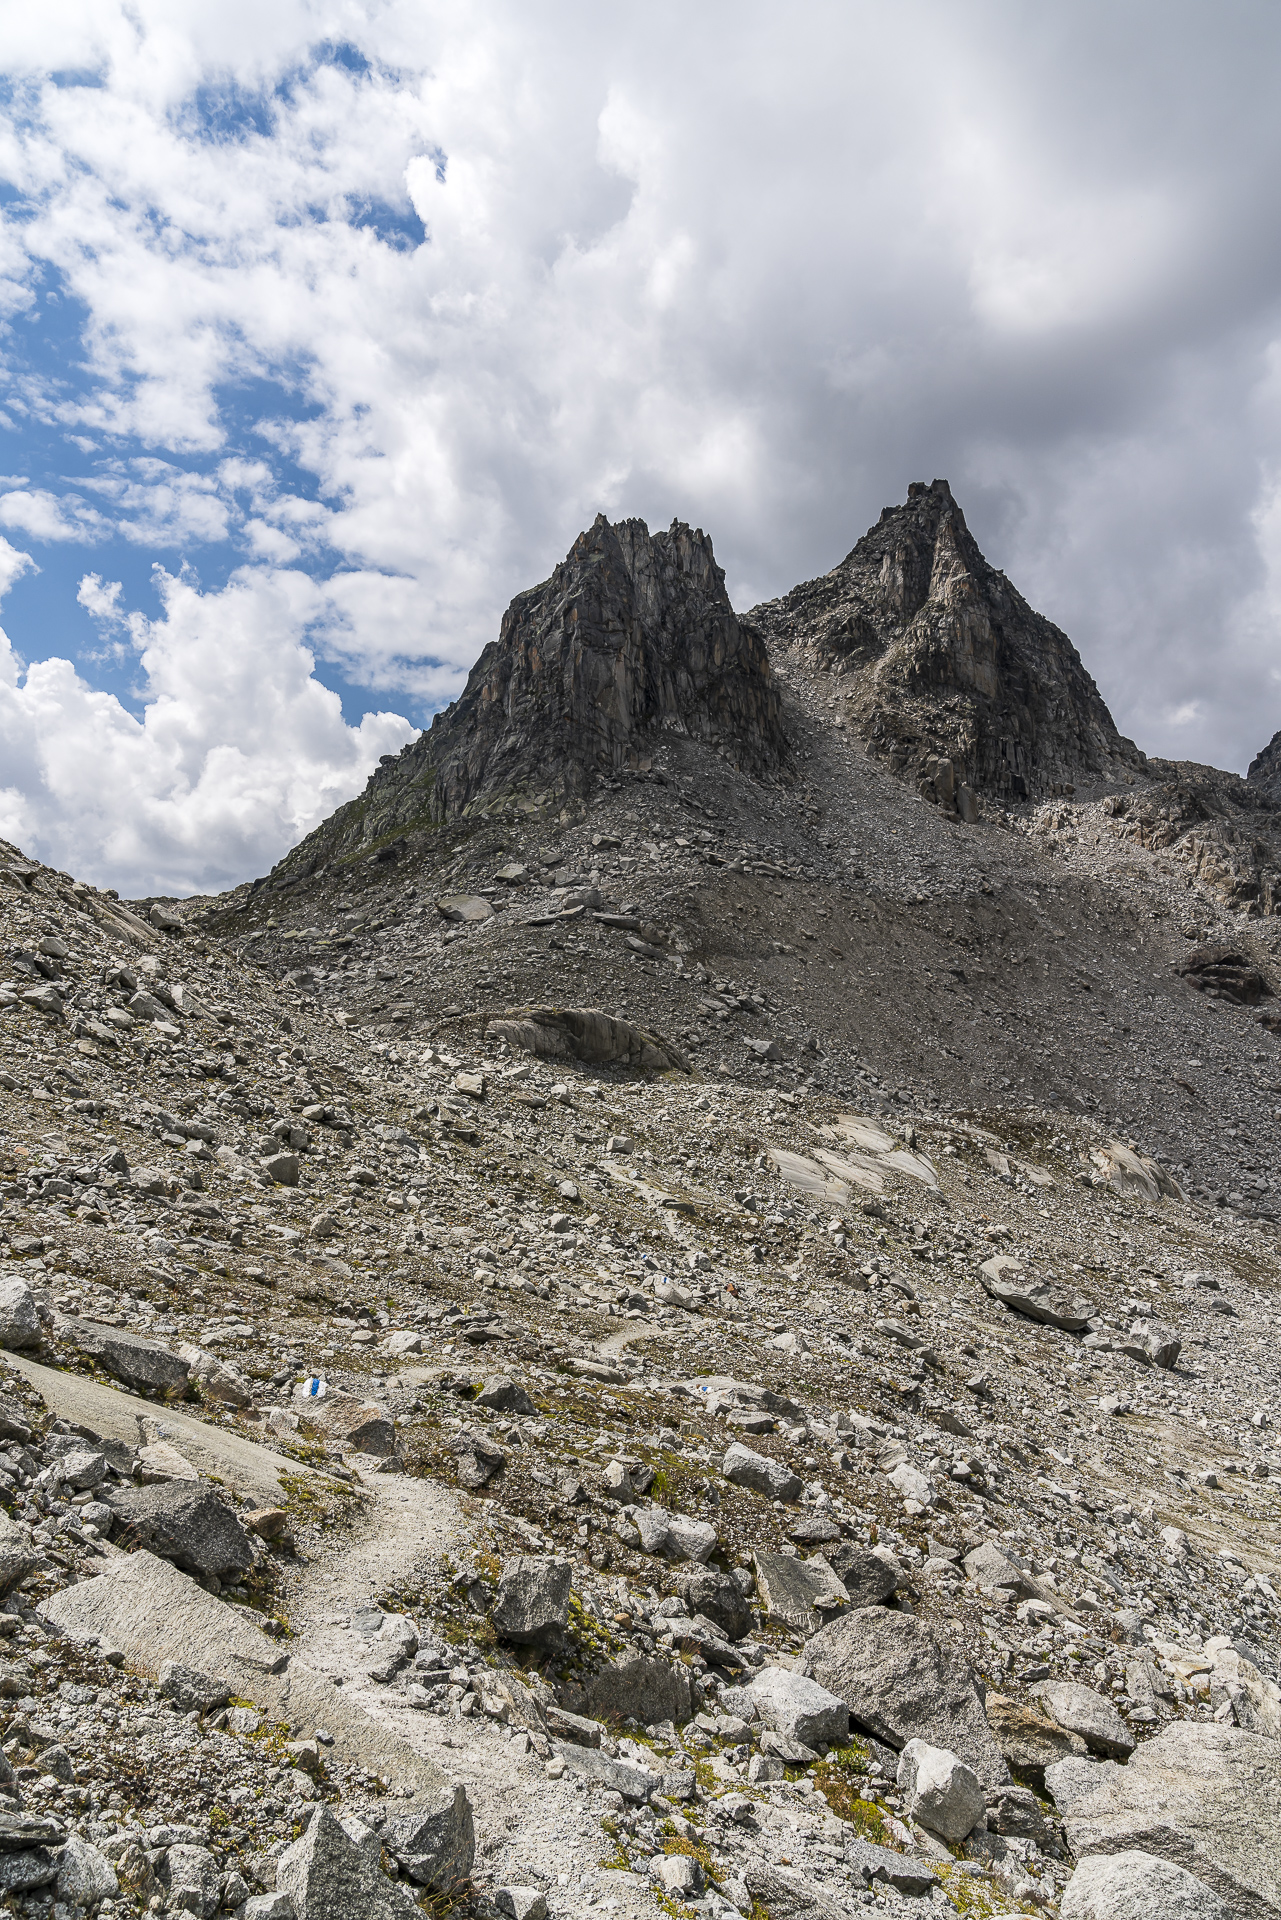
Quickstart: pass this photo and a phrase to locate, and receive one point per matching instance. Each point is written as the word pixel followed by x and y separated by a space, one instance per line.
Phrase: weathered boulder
pixel 1207 1797
pixel 20 1327
pixel 533 1600
pixel 189 1689
pixel 1138 1886
pixel 139 1363
pixel 19 1555
pixel 870 1577
pixel 799 1708
pixel 674 1535
pixel 803 1593
pixel 1005 1280
pixel 504 1395
pixel 85 1876
pixel 283 1168
pixel 1082 1711
pixel 329 1877
pixel 186 1522
pixel 1029 1740
pixel 900 1683
pixel 634 1782
pixel 584 1033
pixel 192 1879
pixel 942 1792
pixel 479 1457
pixel 773 1478
pixel 435 1843
pixel 219 1380
pixel 643 1688
pixel 468 907
pixel 717 1596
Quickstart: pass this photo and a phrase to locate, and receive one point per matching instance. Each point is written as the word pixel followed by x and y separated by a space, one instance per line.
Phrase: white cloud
pixel 50 516
pixel 102 601
pixel 238 753
pixel 13 564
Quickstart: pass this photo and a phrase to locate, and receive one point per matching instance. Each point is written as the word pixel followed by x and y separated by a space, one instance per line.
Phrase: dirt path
pixel 530 1831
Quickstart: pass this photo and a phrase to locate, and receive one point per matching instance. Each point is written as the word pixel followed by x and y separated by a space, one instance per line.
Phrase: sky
pixel 325 326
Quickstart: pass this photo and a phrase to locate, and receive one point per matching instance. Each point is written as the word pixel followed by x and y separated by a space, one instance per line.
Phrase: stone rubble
pixel 705 1445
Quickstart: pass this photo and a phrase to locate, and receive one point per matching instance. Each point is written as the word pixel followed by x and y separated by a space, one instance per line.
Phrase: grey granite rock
pixel 900 1683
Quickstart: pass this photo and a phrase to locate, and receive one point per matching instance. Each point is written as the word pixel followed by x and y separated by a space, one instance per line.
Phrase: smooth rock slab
pixel 1204 1796
pixel 583 1033
pixel 900 1683
pixel 1138 1886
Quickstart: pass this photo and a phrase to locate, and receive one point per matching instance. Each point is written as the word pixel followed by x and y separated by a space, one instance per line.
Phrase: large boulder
pixel 533 1600
pixel 329 1877
pixel 1029 1740
pixel 187 1522
pixel 19 1321
pixel 941 1791
pixel 435 1842
pixel 803 1593
pixel 218 1379
pixel 773 1478
pixel 138 1363
pixel 1138 1886
pixel 1082 1711
pixel 1006 1281
pixel 799 1708
pixel 19 1556
pixel 900 1683
pixel 643 1688
pixel 870 1577
pixel 717 1596
pixel 1205 1796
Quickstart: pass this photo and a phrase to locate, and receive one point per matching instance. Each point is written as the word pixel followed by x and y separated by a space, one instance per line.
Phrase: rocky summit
pixel 679 1311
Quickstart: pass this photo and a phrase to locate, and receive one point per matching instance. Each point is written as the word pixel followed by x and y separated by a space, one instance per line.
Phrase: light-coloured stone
pixel 942 1792
pixel 1206 1796
pixel 798 1708
pixel 1138 1886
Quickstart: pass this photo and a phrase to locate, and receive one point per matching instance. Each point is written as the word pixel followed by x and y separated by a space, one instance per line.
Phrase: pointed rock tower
pixel 948 660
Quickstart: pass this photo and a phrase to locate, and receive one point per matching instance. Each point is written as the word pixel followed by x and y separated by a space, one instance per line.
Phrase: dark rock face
pixel 631 637
pixel 1264 771
pixel 949 661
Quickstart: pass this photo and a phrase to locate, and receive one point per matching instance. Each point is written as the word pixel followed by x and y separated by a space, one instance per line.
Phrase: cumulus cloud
pixel 376 304
pixel 238 752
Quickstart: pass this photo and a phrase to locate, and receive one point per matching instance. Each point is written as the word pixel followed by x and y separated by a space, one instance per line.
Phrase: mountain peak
pixel 947 659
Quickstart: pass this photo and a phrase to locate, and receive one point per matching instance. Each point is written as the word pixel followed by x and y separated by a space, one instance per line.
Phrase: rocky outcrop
pixel 1264 770
pixel 955 679
pixel 631 638
pixel 1222 828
